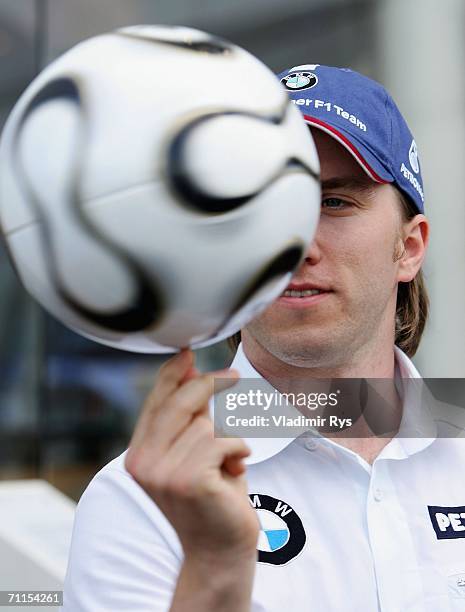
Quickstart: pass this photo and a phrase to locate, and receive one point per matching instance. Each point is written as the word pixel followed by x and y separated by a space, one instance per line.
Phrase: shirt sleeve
pixel 124 553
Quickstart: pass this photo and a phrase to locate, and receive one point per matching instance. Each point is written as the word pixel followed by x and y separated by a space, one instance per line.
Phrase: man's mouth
pixel 303 293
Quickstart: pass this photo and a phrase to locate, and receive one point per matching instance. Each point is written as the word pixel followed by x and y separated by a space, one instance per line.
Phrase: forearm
pixel 215 586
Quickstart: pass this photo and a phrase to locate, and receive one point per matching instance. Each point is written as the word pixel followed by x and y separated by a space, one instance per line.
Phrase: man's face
pixel 352 258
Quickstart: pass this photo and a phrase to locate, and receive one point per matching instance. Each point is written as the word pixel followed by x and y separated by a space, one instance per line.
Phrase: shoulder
pixel 112 494
pixel 122 546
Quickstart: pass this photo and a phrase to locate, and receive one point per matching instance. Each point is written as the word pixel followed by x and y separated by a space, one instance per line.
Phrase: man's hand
pixel 198 482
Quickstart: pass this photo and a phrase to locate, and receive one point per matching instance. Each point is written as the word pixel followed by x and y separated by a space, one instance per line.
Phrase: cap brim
pixel 361 154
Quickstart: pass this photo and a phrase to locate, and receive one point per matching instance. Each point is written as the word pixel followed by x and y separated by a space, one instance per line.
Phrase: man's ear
pixel 415 236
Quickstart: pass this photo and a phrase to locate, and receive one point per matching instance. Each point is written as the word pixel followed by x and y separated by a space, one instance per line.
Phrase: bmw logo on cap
pixel 282 534
pixel 296 81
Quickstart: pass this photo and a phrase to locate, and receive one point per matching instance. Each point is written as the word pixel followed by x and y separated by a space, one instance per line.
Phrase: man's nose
pixel 313 254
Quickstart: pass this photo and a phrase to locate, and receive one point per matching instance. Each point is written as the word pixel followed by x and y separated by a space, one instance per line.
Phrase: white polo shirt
pixel 337 533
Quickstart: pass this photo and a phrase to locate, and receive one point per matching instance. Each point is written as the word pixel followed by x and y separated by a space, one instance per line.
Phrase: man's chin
pixel 302 348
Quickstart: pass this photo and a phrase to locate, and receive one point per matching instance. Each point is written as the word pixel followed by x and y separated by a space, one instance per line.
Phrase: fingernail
pixel 227 373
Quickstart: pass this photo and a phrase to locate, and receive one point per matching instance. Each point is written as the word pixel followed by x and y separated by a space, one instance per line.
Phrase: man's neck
pixel 371 364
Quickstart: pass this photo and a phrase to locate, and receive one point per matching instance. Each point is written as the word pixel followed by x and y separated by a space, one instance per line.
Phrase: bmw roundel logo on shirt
pixel 282 534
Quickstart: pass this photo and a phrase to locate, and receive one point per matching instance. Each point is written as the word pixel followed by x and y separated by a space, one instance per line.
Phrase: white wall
pixel 421 62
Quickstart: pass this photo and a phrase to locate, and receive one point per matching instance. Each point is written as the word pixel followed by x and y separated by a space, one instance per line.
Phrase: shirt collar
pixel 417 429
pixel 262 448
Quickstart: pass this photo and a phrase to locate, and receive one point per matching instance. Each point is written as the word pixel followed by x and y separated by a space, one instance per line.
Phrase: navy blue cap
pixel 360 114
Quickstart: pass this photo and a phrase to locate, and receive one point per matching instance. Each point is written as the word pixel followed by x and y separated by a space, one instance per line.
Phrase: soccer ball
pixel 157 188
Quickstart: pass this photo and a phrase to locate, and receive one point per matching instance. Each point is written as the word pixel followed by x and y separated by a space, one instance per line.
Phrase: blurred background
pixel 67 405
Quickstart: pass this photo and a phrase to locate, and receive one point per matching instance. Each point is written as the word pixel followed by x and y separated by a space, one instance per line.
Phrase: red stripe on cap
pixel 346 142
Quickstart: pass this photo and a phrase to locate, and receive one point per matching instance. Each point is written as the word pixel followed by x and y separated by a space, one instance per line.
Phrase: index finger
pixel 169 376
pixel 161 427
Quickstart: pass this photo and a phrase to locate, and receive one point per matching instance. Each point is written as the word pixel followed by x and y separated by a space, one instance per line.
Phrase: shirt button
pixel 311 444
pixel 377 495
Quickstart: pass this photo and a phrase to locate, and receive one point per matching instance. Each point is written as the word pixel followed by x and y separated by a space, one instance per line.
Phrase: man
pixel 361 523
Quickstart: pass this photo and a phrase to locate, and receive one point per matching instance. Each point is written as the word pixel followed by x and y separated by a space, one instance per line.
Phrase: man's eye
pixel 334 204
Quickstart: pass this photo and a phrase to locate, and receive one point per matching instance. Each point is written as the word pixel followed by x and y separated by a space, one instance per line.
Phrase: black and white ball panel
pixel 246 153
pixel 119 297
pixel 180 37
